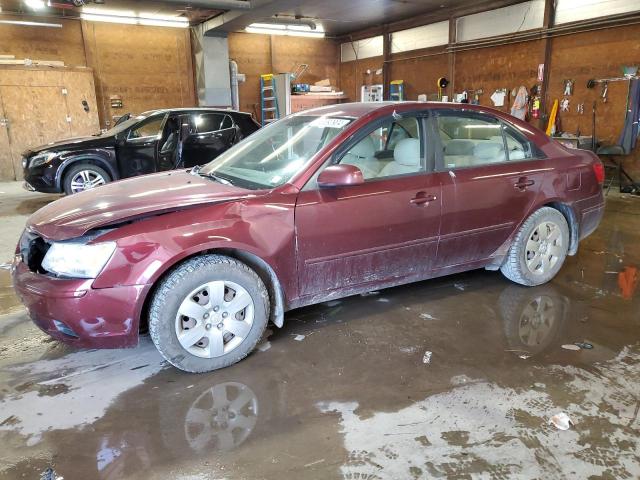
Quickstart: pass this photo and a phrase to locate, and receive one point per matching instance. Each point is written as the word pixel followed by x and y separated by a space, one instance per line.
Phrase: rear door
pixel 491 175
pixel 212 134
pixel 384 229
pixel 137 149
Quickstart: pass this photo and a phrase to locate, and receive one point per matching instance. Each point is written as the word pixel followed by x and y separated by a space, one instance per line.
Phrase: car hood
pixel 73 144
pixel 114 203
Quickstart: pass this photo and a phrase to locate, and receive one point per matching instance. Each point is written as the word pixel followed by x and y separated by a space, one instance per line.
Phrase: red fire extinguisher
pixel 535 102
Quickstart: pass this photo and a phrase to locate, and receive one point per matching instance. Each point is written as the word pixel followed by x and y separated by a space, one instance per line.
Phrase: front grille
pixel 33 248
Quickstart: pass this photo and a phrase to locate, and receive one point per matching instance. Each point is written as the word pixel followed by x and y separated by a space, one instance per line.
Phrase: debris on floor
pixel 460 286
pixel 384 300
pixel 368 294
pixel 50 474
pixel 264 346
pixel 571 346
pixel 427 316
pixel 561 421
pixel 299 338
pixel 427 357
pixel 584 345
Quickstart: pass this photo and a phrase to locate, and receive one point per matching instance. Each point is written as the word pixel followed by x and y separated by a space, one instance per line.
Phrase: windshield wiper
pixel 196 171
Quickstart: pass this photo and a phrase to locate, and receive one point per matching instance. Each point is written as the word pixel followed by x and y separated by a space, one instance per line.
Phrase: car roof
pixel 195 110
pixel 360 109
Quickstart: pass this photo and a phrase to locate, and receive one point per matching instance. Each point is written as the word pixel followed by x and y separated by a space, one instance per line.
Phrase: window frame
pixel 368 129
pixel 163 121
pixel 536 153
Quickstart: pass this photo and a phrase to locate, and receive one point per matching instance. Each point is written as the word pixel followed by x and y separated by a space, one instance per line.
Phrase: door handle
pixel 523 183
pixel 423 198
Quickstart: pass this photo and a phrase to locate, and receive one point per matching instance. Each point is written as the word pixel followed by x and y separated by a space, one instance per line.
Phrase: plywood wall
pixel 149 67
pixel 597 54
pixel 258 54
pixel 355 74
pixel 40 43
pixel 43 105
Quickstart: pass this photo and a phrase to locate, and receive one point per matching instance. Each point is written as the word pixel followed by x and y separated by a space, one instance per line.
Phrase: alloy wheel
pixel 214 319
pixel 86 180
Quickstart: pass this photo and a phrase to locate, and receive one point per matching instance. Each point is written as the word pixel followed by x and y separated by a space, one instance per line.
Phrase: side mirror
pixel 340 176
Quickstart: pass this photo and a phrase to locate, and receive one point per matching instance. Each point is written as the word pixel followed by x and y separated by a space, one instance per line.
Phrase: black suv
pixel 150 142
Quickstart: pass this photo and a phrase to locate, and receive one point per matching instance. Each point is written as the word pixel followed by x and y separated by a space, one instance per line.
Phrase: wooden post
pixel 451 74
pixel 548 22
pixel 386 64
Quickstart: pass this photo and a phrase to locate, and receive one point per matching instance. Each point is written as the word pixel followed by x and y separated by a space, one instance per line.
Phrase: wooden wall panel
pixel 257 54
pixel 149 67
pixel 40 43
pixel 40 112
pixel 7 170
pixel 420 75
pixel 506 66
pixel 252 53
pixel 354 74
pixel 597 54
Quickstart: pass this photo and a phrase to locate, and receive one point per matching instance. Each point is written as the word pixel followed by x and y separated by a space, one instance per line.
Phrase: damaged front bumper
pixel 72 311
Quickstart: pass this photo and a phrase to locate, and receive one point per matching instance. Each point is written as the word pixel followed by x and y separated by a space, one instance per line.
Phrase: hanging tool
pixel 298 71
pixel 552 118
pixel 268 99
pixel 605 91
pixel 442 84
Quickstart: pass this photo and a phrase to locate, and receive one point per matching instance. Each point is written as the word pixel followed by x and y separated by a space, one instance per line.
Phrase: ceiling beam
pixel 215 4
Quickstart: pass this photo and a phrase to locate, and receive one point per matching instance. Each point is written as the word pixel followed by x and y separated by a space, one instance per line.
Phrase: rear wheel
pixel 209 313
pixel 539 248
pixel 84 176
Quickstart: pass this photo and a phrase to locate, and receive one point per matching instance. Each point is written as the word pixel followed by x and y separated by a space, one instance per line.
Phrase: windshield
pixel 121 127
pixel 274 154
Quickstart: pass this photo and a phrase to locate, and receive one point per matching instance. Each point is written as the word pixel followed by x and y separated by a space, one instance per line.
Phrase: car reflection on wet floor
pixel 342 390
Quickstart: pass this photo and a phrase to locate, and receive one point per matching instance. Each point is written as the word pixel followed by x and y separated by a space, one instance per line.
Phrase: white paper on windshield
pixel 326 122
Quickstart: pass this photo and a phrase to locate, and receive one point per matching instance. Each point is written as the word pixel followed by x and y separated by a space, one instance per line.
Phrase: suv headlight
pixel 77 260
pixel 41 159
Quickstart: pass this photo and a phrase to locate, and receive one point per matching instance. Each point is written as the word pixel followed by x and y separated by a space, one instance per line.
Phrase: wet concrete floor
pixel 347 389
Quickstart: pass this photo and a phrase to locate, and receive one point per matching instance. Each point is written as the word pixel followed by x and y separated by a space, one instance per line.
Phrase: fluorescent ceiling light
pixel 31 24
pixel 130 18
pixel 35 4
pixel 108 18
pixel 290 30
pixel 163 23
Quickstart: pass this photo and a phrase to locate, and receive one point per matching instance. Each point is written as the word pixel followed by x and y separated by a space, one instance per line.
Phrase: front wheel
pixel 209 313
pixel 84 176
pixel 539 248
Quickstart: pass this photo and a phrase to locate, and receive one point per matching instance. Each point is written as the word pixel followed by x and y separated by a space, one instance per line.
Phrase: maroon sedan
pixel 323 204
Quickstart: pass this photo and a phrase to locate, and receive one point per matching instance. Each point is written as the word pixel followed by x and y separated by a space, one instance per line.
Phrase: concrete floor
pixel 354 397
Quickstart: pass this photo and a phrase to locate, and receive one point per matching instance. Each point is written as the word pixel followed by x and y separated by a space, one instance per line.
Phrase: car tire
pixel 539 249
pixel 198 325
pixel 89 171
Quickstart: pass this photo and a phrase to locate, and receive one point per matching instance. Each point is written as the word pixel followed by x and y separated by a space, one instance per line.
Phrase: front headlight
pixel 42 158
pixel 77 260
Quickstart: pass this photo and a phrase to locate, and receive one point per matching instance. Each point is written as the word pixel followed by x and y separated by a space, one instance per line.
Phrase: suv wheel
pixel 538 249
pixel 209 313
pixel 84 177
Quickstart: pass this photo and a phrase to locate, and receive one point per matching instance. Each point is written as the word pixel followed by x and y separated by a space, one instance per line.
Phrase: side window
pixel 227 122
pixel 391 149
pixel 518 147
pixel 147 128
pixel 470 140
pixel 208 122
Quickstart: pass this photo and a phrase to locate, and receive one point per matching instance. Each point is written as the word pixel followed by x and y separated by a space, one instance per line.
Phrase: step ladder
pixel 268 99
pixel 396 91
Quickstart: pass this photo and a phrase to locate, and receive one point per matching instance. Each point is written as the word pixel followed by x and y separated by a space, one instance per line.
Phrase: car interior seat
pixel 406 158
pixel 458 153
pixel 488 152
pixel 362 155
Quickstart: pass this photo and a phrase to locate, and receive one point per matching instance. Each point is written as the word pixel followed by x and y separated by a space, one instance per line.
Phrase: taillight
pixel 598 169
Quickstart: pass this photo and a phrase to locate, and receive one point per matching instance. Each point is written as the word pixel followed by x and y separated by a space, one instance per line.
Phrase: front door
pixel 137 149
pixel 491 175
pixel 384 229
pixel 212 134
